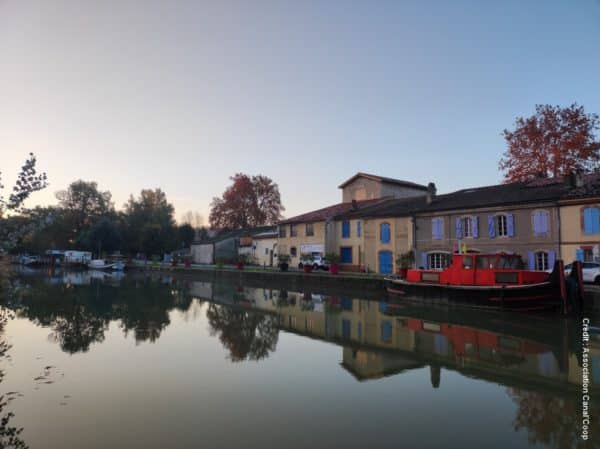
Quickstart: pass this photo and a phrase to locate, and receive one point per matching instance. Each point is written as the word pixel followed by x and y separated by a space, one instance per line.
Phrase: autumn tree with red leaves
pixel 250 201
pixel 553 142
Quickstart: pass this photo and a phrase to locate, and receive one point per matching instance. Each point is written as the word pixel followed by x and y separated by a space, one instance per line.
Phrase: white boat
pixel 101 264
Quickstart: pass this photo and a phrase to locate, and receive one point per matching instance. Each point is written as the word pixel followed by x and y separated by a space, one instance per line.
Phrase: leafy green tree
pixel 185 235
pixel 149 223
pixel 84 204
pixel 102 236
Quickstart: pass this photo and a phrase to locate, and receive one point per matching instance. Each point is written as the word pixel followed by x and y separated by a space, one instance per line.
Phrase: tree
pixel 551 143
pixel 102 236
pixel 248 202
pixel 194 219
pixel 185 235
pixel 149 223
pixel 84 204
pixel 28 181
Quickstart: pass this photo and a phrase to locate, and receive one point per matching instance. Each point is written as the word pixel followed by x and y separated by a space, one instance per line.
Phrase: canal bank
pixel 369 285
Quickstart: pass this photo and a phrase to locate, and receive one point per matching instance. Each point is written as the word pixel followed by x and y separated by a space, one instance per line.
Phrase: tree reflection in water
pixel 247 335
pixel 10 436
pixel 554 421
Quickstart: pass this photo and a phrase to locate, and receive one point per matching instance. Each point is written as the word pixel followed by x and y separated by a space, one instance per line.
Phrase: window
pixel 467 262
pixel 540 222
pixel 358 228
pixel 541 261
pixel 437 261
pixel 266 251
pixel 293 251
pixel 281 231
pixel 384 233
pixel 437 228
pixel 591 220
pixel 467 227
pixel 386 331
pixel 588 254
pixel 345 229
pixel 309 229
pixel 502 225
pixel 293 230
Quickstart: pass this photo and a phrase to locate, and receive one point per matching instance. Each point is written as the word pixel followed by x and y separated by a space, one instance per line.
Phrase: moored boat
pixel 101 264
pixel 495 281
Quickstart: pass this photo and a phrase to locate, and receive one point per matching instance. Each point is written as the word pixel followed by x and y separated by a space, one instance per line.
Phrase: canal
pixel 93 360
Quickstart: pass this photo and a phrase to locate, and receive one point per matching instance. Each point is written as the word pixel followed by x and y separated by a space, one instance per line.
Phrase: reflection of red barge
pixel 491 281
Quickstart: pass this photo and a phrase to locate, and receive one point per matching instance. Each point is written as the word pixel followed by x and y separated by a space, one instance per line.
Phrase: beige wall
pixel 367 189
pixel 284 244
pixel 366 248
pixel 572 236
pixel 262 251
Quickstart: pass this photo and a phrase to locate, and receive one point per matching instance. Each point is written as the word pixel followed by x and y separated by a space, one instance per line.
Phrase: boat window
pixel 467 261
pixel 483 262
pixel 508 263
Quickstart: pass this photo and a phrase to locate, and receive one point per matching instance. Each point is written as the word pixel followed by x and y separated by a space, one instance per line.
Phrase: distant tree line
pixel 85 218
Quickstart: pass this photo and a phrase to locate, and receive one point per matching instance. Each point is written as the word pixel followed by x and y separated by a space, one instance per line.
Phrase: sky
pixel 183 94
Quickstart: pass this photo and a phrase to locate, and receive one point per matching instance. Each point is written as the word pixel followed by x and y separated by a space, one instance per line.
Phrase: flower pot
pixel 307 268
pixel 402 272
pixel 188 263
pixel 283 266
pixel 240 265
pixel 334 268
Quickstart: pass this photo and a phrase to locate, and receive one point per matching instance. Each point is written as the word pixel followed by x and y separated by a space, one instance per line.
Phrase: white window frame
pixel 467 225
pixel 436 259
pixel 541 260
pixel 501 223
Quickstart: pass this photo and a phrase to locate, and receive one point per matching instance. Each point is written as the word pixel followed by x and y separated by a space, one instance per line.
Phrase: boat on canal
pixel 495 281
pixel 102 264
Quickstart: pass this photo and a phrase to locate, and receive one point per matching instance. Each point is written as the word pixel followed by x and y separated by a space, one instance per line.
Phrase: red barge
pixel 495 281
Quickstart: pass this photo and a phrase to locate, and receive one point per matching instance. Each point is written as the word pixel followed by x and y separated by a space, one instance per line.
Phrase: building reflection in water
pixel 538 359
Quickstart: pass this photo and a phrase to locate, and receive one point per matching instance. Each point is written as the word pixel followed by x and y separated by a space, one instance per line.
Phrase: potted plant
pixel 283 261
pixel 306 262
pixel 241 261
pixel 404 262
pixel 333 260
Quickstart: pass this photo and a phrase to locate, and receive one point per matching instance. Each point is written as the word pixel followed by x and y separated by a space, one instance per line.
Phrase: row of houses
pixel 381 218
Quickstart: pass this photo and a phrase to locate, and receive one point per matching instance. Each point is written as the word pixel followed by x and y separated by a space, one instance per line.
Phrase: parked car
pixel 590 271
pixel 317 261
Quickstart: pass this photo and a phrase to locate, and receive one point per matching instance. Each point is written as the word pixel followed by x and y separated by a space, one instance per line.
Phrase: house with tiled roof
pixel 521 218
pixel 580 219
pixel 320 231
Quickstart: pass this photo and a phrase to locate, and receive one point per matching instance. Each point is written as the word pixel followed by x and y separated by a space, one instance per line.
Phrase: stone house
pixel 580 220
pixel 319 231
pixel 521 218
pixel 224 246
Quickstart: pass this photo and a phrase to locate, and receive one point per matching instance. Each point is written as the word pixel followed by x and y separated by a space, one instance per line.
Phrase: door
pixel 346 254
pixel 385 262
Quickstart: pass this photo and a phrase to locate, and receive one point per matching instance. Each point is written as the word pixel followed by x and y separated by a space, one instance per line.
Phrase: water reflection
pixel 537 359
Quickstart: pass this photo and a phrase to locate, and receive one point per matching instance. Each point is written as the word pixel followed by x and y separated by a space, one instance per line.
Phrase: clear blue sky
pixel 180 95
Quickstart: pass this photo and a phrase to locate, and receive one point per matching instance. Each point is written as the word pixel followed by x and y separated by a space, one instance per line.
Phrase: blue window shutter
pixel 544 222
pixel 434 229
pixel 491 226
pixel 510 225
pixel 596 220
pixel 551 259
pixel 475 226
pixel 386 331
pixel 536 223
pixel 345 229
pixel 424 260
pixel 531 260
pixel 358 228
pixel 385 233
pixel 579 254
pixel 458 228
pixel 588 220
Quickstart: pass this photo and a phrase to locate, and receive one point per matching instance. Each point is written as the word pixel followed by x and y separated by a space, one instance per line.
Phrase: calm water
pixel 159 362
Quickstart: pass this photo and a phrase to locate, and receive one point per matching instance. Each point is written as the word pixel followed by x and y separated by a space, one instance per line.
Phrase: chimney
pixel 431 191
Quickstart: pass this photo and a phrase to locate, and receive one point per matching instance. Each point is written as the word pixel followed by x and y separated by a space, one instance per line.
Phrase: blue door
pixel 346 254
pixel 385 262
